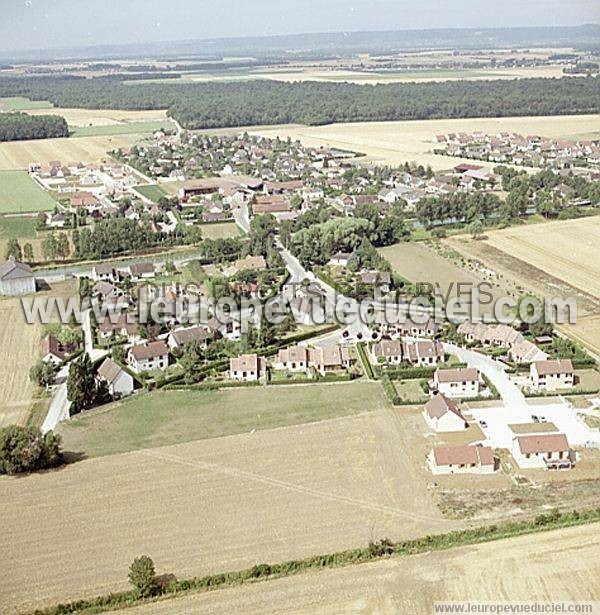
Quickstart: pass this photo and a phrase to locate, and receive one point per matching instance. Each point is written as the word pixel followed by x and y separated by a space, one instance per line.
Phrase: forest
pixel 22 127
pixel 223 104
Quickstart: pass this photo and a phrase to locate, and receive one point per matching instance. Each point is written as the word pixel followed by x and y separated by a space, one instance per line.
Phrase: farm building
pixel 16 278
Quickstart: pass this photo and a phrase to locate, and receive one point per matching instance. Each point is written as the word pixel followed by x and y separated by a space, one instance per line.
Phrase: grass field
pixel 18 154
pixel 21 227
pixel 19 349
pixel 219 231
pixel 151 191
pixel 561 565
pixel 211 505
pixel 18 103
pixel 20 193
pixel 168 417
pixel 397 142
pixel 126 128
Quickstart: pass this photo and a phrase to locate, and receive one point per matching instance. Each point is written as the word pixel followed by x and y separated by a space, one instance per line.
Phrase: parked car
pixel 483 424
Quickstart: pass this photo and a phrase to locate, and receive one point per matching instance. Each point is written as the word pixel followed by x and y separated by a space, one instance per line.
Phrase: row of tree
pixel 23 127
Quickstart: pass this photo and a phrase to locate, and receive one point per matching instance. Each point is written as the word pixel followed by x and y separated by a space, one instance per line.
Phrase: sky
pixel 41 24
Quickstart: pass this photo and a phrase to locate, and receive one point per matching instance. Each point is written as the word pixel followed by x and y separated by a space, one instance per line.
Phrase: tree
pixel 63 249
pixel 476 229
pixel 13 248
pixel 28 252
pixel 190 364
pixel 81 384
pixel 25 449
pixel 142 576
pixel 43 373
pixel 49 247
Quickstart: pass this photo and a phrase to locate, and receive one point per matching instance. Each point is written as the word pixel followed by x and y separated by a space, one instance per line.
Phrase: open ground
pixel 396 142
pixel 101 117
pixel 275 495
pixel 20 193
pixel 219 231
pixel 562 565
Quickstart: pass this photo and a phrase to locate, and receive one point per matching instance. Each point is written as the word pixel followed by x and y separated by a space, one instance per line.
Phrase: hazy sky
pixel 35 24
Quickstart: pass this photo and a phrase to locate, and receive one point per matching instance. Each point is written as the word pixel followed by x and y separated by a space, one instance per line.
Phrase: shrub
pixel 25 449
pixel 142 576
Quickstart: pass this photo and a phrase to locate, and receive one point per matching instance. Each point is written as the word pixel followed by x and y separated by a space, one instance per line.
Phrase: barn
pixel 16 278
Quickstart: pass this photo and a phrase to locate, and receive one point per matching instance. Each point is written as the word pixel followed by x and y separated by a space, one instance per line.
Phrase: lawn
pixel 20 227
pixel 125 128
pixel 20 193
pixel 168 417
pixel 220 230
pixel 18 103
pixel 151 191
pixel 410 390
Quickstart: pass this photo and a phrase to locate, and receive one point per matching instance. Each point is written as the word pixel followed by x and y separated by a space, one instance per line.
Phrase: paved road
pixel 59 406
pixel 242 217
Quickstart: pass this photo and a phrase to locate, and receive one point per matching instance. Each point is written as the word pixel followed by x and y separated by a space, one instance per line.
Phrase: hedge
pixel 376 550
pixel 361 348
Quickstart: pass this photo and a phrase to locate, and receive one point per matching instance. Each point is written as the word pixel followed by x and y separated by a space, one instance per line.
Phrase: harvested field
pixel 18 154
pixel 586 332
pixel 168 417
pixel 209 506
pixel 551 566
pixel 398 142
pixel 219 231
pixel 19 349
pixel 101 117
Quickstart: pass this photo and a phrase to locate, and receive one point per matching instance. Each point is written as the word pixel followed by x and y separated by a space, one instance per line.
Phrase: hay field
pixel 219 231
pixel 18 154
pixel 20 193
pixel 101 117
pixel 568 250
pixel 209 506
pixel 396 142
pixel 561 565
pixel 19 349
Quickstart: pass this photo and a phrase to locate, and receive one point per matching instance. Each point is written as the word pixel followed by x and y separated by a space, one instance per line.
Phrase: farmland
pixel 396 142
pixel 19 348
pixel 20 193
pixel 18 103
pixel 276 494
pixel 553 566
pixel 125 128
pixel 167 417
pixel 103 117
pixel 18 154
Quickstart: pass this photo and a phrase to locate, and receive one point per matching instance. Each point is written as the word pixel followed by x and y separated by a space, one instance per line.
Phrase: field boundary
pixel 378 550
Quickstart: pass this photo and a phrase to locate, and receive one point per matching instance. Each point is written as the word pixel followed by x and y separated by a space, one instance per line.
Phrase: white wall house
pixel 148 356
pixel 456 383
pixel 16 278
pixel 293 359
pixel 119 382
pixel 442 414
pixel 543 451
pixel 552 375
pixel 246 368
pixel 464 459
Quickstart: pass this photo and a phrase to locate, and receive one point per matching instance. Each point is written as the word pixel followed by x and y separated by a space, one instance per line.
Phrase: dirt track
pixel 552 566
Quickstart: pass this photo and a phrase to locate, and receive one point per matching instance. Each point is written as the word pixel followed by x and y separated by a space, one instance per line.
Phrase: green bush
pixel 25 449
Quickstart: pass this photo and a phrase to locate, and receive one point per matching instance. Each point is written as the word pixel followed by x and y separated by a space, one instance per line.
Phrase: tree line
pixel 21 127
pixel 222 104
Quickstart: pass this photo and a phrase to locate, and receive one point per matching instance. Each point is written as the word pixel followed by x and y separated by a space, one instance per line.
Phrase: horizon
pixel 53 25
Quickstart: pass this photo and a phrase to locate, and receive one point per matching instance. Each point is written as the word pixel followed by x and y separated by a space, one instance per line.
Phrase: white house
pixel 552 375
pixel 462 382
pixel 148 356
pixel 53 350
pixel 16 278
pixel 463 459
pixel 141 271
pixel 198 334
pixel 104 271
pixel 389 351
pixel 442 414
pixel 246 368
pixel 546 451
pixel 293 359
pixel 119 382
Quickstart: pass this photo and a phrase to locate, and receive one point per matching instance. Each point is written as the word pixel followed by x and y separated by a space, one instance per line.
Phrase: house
pixel 148 356
pixel 394 323
pixel 16 278
pixel 273 204
pixel 180 338
pixel 141 271
pixel 106 272
pixel 463 459
pixel 429 328
pixel 329 358
pixel 254 263
pixel 58 220
pixel 389 351
pixel 246 368
pixel 293 359
pixel 53 350
pixel 341 259
pixel 442 414
pixel 526 352
pixel 462 382
pixel 423 352
pixel 124 325
pixel 552 375
pixel 547 451
pixel 119 382
pixel 377 279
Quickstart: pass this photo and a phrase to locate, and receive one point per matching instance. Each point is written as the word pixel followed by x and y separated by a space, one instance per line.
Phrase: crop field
pixel 151 191
pixel 219 231
pixel 209 506
pixel 18 154
pixel 125 128
pixel 17 103
pixel 20 193
pixel 19 349
pixel 398 142
pixel 569 249
pixel 561 565
pixel 102 117
pixel 168 417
